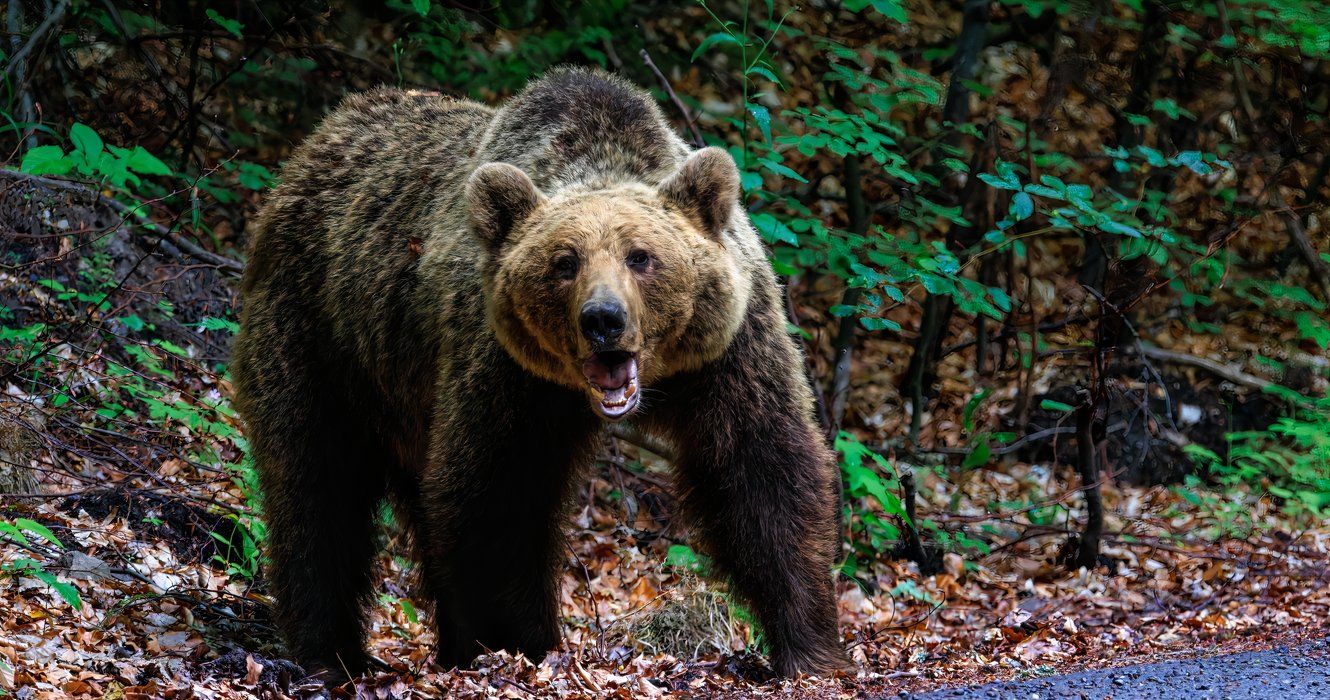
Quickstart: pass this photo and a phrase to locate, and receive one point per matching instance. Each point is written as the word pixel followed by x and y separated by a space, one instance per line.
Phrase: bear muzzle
pixel 612 376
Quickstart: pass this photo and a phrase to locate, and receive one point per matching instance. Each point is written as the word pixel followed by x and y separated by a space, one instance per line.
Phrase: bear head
pixel 608 290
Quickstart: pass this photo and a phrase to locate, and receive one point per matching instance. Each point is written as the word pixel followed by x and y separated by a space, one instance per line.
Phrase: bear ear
pixel 706 188
pixel 500 196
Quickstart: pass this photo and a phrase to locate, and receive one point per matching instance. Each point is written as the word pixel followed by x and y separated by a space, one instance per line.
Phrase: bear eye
pixel 565 267
pixel 639 260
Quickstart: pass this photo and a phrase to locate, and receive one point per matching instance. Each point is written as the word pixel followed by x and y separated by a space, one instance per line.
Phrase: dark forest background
pixel 1061 270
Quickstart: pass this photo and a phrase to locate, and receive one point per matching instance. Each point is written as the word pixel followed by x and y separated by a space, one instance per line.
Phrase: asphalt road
pixel 1284 673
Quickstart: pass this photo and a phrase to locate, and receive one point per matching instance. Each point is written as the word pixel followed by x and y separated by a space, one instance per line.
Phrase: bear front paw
pixel 826 662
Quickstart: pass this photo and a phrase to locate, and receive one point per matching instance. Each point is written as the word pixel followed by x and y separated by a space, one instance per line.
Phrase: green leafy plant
pixel 871 485
pixel 18 532
pixel 89 156
pixel 1289 461
pixel 682 558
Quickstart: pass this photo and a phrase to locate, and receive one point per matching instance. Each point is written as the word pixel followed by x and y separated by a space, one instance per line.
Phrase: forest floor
pixel 160 618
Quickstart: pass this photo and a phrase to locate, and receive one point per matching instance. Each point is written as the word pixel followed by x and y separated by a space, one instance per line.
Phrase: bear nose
pixel 603 321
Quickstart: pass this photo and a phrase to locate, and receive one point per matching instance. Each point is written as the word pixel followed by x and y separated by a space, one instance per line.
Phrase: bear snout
pixel 603 321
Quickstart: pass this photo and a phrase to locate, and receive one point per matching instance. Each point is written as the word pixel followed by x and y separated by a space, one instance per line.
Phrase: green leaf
pixel 408 608
pixel 1056 406
pixel 763 117
pixel 67 592
pixel 681 556
pixel 31 568
pixel 144 162
pixel 955 165
pixel 978 456
pixel 1313 328
pixel 15 533
pixel 86 141
pixel 1005 179
pixel 133 322
pixel 874 323
pixel 40 530
pixel 892 9
pixel 1022 206
pixel 764 72
pixel 233 27
pixel 1111 226
pixel 795 330
pixel 255 176
pixel 773 229
pixel 716 39
pixel 783 171
pixel 46 160
pixel 1192 159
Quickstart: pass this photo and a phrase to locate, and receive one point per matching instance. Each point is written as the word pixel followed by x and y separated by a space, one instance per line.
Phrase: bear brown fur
pixel 444 305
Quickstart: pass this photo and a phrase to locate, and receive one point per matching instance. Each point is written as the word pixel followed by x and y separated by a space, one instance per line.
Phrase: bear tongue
pixel 609 378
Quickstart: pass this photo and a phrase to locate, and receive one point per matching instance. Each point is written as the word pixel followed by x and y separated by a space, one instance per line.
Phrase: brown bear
pixel 446 303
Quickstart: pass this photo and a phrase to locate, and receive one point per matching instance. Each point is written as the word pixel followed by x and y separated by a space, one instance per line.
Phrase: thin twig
pixel 1223 371
pixel 174 243
pixel 650 443
pixel 1013 446
pixel 37 34
pixel 678 103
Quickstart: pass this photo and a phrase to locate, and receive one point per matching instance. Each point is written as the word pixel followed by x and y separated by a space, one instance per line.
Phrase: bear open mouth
pixel 613 378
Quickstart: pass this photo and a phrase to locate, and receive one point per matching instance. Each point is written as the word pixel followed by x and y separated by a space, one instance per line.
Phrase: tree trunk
pixel 937 310
pixel 1087 550
pixel 1144 74
pixel 859 220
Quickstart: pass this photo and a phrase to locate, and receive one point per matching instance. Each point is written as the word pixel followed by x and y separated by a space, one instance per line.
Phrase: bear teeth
pixel 616 402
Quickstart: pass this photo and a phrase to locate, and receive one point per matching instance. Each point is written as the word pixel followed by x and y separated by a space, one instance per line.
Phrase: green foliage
pixel 871 503
pixel 885 265
pixel 91 157
pixel 1289 461
pixel 681 557
pixel 18 532
pixel 1281 24
pixel 137 386
pixel 443 45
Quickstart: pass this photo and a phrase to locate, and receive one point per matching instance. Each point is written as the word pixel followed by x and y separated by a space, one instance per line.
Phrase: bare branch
pixel 21 55
pixel 669 90
pixel 1232 374
pixel 172 242
pixel 650 443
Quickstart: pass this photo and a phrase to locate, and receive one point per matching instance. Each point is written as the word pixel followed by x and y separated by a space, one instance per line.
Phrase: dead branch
pixel 1297 233
pixel 912 546
pixel 16 61
pixel 650 443
pixel 173 243
pixel 1222 371
pixel 674 97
